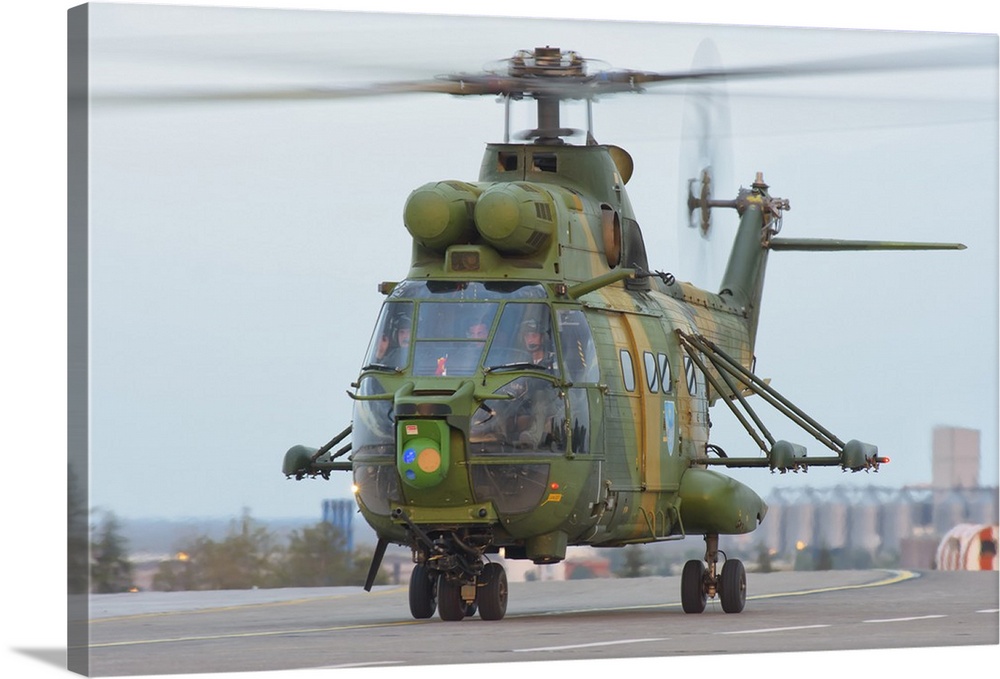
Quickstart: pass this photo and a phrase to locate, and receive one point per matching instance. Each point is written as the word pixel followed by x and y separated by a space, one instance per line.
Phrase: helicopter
pixel 532 384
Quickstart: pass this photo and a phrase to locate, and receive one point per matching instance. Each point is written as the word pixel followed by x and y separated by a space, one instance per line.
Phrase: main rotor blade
pixel 206 95
pixel 572 86
pixel 975 56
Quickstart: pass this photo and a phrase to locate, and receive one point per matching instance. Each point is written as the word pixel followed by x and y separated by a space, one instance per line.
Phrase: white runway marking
pixel 591 645
pixel 773 629
pixel 916 617
pixel 373 663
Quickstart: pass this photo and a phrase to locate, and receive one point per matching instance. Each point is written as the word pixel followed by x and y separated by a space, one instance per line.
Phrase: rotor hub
pixel 546 62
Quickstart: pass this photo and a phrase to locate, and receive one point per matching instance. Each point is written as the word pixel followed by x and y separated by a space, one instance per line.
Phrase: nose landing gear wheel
pixel 423 592
pixel 450 603
pixel 492 594
pixel 693 594
pixel 733 586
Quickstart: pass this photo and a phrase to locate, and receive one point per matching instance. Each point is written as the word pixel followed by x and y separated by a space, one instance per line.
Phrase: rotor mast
pixel 547 65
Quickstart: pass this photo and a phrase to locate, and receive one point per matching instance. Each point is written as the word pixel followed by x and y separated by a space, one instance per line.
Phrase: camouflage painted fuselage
pixel 593 438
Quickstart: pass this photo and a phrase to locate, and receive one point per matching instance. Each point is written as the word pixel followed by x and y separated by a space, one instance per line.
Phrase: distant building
pixel 341 513
pixel 905 525
pixel 955 458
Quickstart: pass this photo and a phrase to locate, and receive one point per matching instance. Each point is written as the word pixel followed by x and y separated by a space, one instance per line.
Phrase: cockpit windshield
pixel 451 337
pixel 523 339
pixel 450 324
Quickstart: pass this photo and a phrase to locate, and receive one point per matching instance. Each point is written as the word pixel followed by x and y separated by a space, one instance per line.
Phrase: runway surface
pixel 236 631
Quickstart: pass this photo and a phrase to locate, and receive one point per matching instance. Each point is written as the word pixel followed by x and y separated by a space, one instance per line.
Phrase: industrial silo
pixel 798 525
pixel 863 522
pixel 831 520
pixel 896 519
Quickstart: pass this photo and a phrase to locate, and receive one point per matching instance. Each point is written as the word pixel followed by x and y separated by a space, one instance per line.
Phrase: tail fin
pixel 760 219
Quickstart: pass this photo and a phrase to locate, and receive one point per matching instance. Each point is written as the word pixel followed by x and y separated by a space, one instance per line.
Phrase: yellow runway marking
pixel 897 576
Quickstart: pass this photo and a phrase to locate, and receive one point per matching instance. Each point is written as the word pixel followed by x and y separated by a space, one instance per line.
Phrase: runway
pixel 236 631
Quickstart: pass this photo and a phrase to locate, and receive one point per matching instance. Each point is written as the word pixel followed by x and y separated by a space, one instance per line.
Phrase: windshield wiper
pixel 517 365
pixel 382 367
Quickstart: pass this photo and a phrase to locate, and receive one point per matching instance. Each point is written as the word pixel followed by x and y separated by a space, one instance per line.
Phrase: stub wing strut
pixel 733 381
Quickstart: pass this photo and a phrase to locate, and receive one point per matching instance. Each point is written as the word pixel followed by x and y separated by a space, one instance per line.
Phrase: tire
pixel 423 592
pixel 450 604
pixel 733 586
pixel 491 593
pixel 693 595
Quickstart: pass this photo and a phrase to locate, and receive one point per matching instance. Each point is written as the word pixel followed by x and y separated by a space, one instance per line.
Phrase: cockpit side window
pixel 390 345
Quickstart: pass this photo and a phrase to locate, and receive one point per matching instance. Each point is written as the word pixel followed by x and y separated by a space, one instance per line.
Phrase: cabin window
pixel 652 371
pixel 666 379
pixel 628 374
pixel 579 353
pixel 690 373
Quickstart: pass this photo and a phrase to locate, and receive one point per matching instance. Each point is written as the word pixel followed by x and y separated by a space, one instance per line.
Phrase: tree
pixel 78 539
pixel 247 558
pixel 110 569
pixel 317 557
pixel 176 575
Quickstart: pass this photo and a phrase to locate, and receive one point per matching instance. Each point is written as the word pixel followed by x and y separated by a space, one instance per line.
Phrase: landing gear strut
pixel 699 582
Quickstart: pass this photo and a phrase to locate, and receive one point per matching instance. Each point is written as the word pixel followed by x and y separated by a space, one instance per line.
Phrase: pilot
pixel 478 331
pixel 535 402
pixel 538 349
pixel 394 346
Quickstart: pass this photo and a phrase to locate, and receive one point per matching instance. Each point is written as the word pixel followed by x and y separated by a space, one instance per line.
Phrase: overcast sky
pixel 236 248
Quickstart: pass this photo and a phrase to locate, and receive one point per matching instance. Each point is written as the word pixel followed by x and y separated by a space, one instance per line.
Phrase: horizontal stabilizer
pixel 837 245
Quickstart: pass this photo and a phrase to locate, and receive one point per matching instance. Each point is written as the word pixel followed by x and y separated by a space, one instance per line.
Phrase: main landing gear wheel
pixel 492 592
pixel 699 581
pixel 733 586
pixel 423 592
pixel 693 594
